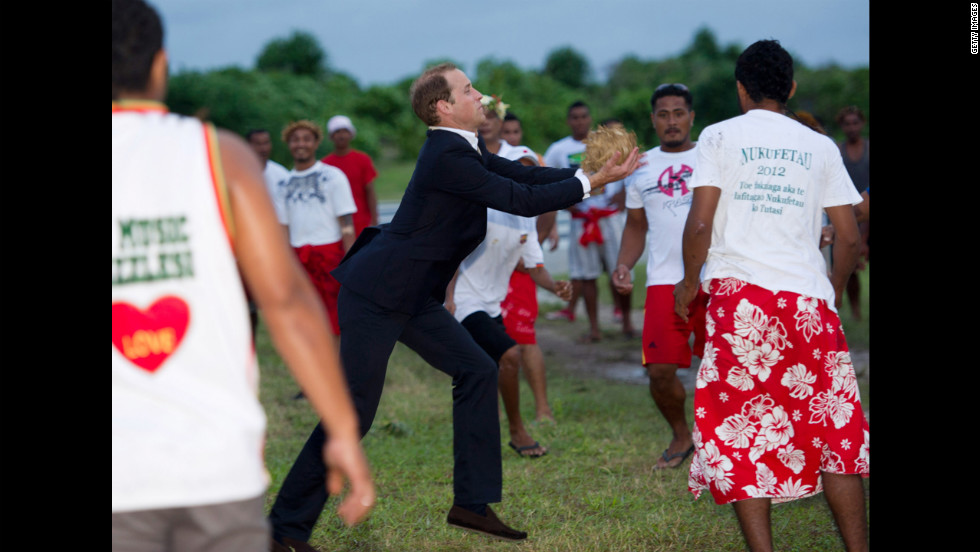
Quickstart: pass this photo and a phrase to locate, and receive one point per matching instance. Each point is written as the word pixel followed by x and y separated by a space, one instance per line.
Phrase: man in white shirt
pixel 474 298
pixel 657 200
pixel 586 262
pixel 187 426
pixel 475 294
pixel 778 407
pixel 315 204
pixel 261 142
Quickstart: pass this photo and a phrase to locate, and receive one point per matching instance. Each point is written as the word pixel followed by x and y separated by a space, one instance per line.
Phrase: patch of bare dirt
pixel 616 357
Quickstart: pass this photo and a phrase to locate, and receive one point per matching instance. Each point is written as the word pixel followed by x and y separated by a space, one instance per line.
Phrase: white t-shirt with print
pixel 776 177
pixel 662 189
pixel 310 201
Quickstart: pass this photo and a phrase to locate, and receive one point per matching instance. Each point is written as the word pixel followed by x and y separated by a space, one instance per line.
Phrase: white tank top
pixel 187 426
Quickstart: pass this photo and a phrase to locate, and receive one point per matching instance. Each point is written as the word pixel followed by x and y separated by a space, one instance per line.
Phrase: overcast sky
pixel 383 41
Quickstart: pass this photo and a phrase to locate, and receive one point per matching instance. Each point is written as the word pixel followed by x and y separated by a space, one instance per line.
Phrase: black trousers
pixel 368 333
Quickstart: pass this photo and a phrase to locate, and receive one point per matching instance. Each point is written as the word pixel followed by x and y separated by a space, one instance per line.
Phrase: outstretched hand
pixel 345 460
pixel 615 170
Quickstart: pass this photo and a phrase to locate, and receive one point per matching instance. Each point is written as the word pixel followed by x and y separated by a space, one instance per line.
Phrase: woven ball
pixel 603 142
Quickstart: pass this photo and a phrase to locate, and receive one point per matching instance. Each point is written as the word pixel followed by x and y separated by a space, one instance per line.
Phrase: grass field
pixel 393 177
pixel 594 491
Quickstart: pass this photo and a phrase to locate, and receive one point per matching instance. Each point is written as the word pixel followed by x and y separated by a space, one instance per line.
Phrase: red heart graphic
pixel 147 338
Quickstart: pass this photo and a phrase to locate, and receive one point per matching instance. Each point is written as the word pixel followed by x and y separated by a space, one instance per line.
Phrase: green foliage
pixel 540 101
pixel 704 45
pixel 568 67
pixel 823 91
pixel 292 81
pixel 241 100
pixel 299 54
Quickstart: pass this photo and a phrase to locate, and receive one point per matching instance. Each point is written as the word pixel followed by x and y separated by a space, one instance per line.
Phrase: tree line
pixel 292 79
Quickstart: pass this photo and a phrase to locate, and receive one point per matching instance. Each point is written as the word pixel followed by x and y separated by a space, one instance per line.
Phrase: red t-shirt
pixel 360 172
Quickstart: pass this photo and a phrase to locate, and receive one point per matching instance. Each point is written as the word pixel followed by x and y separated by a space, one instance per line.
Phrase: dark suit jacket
pixel 443 217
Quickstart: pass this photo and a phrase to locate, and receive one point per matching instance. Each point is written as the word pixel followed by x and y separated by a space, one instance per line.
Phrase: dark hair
pixel 765 69
pixel 137 36
pixel 254 131
pixel 511 117
pixel 671 90
pixel 577 104
pixel 849 110
pixel 428 89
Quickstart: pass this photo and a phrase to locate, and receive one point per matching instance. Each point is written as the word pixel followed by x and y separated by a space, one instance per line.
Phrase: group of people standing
pixel 731 226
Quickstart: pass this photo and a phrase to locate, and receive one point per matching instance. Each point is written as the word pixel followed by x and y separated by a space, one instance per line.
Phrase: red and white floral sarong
pixel 776 400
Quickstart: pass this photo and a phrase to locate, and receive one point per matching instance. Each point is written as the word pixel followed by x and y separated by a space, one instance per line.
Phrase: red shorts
pixel 666 337
pixel 520 308
pixel 319 260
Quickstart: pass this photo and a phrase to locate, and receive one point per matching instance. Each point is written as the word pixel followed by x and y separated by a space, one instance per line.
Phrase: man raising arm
pixel 393 284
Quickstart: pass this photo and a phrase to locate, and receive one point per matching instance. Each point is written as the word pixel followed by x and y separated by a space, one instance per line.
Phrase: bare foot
pixel 544 418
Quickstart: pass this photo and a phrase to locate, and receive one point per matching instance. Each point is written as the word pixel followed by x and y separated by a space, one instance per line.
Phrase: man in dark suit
pixel 394 281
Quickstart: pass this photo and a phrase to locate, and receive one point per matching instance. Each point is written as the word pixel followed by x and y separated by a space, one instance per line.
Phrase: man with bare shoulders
pixel 187 426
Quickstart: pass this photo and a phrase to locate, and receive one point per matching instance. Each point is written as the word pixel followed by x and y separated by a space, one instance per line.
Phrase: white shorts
pixel 586 263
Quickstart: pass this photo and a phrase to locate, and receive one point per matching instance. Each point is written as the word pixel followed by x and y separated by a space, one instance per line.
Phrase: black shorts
pixel 489 334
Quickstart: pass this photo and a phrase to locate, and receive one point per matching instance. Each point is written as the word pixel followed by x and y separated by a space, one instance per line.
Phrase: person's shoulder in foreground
pixel 240 231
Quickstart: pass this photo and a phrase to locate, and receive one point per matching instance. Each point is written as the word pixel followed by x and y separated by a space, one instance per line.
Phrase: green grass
pixel 857 332
pixel 594 491
pixel 392 179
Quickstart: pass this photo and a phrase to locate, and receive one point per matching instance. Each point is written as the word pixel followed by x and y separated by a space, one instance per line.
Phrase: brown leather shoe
pixel 488 524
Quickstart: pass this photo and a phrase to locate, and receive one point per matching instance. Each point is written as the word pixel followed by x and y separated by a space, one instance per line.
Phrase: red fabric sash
pixel 590 228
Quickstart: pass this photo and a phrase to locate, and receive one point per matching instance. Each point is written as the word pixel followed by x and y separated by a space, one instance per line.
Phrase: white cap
pixel 338 122
pixel 516 153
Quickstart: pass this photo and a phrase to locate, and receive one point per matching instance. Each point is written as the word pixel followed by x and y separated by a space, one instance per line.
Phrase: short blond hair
pixel 305 123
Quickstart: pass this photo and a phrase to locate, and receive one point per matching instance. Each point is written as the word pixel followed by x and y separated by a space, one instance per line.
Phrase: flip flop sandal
pixel 520 450
pixel 667 458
